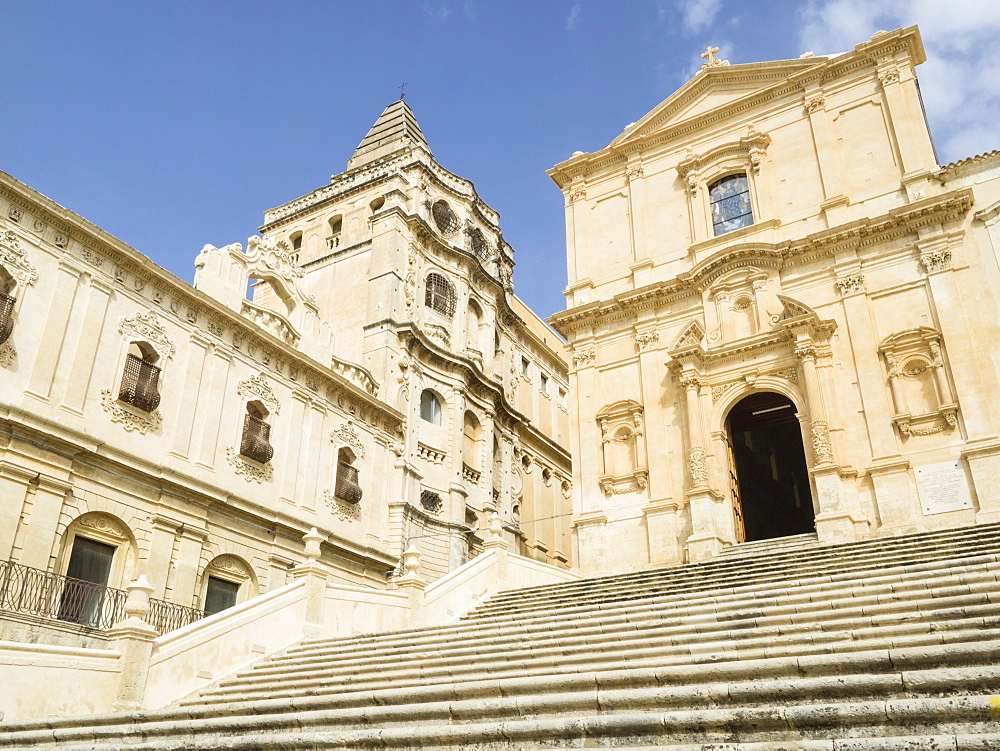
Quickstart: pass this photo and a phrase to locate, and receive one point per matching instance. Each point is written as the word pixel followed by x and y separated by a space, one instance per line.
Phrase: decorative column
pixel 637 211
pixel 705 540
pixel 834 521
pixel 457 492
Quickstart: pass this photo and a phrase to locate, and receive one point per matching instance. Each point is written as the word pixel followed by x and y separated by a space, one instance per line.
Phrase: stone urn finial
pixel 411 560
pixel 312 539
pixel 496 525
pixel 137 601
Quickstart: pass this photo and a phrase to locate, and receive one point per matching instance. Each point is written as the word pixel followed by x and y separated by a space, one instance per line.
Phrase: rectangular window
pixel 544 384
pixel 220 595
pixel 524 366
pixel 83 596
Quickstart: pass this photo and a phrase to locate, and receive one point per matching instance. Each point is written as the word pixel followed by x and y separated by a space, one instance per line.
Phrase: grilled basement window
pixel 347 489
pixel 431 501
pixel 139 379
pixel 6 316
pixel 439 295
pixel 255 443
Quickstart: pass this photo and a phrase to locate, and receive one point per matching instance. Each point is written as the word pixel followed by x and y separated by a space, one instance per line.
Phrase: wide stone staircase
pixel 882 644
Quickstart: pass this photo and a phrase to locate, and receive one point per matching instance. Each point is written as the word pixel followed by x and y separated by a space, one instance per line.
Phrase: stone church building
pixel 383 385
pixel 780 310
pixel 341 510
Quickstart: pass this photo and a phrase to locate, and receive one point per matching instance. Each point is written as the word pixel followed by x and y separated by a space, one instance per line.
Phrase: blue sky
pixel 172 125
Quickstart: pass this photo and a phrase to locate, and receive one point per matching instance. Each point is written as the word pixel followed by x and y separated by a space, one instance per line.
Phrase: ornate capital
pixel 851 284
pixel 889 75
pixel 646 339
pixel 577 194
pixel 584 357
pixel 815 104
pixel 634 172
pixel 690 381
pixel 935 260
pixel 806 352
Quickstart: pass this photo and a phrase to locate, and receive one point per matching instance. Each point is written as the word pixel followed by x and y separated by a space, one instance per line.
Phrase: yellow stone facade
pixel 855 284
pixel 243 413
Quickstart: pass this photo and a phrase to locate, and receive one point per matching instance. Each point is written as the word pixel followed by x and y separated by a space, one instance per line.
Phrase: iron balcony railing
pixel 255 443
pixel 347 488
pixel 139 384
pixel 6 317
pixel 29 590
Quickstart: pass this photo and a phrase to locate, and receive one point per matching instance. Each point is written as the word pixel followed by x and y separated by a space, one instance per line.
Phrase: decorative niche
pixel 624 448
pixel 922 398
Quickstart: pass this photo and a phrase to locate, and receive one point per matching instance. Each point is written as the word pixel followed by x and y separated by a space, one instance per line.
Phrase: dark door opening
pixel 85 590
pixel 774 498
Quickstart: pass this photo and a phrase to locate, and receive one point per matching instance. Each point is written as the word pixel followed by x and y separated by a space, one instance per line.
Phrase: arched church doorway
pixel 767 465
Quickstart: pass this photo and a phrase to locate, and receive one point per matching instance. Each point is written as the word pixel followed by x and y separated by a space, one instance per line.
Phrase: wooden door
pixel 734 491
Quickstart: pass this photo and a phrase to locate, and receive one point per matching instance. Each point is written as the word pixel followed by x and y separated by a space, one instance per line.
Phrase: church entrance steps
pixel 815 611
pixel 767 547
pixel 887 644
pixel 834 559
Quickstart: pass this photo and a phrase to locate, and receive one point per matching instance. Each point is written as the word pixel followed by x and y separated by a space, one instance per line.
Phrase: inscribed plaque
pixel 942 487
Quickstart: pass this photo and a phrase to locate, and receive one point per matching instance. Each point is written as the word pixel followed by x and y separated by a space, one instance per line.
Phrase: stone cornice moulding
pixel 638 137
pixel 154 286
pixel 898 222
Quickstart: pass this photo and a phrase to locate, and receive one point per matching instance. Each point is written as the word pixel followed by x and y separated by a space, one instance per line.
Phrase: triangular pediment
pixel 713 88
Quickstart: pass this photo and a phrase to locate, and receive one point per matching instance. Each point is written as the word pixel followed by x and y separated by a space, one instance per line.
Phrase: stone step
pixel 748 574
pixel 427 671
pixel 767 547
pixel 922 546
pixel 799 598
pixel 983 603
pixel 585 722
pixel 829 684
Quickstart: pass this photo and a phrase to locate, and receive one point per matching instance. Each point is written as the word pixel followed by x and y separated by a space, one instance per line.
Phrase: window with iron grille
pixel 444 218
pixel 440 295
pixel 430 500
pixel 6 317
pixel 139 384
pixel 479 246
pixel 347 489
pixel 256 437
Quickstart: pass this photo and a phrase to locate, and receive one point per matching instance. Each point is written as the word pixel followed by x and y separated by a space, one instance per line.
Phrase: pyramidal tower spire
pixel 395 128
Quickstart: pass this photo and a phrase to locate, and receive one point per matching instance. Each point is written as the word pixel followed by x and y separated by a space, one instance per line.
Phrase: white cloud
pixel 698 15
pixel 960 82
pixel 573 18
pixel 437 13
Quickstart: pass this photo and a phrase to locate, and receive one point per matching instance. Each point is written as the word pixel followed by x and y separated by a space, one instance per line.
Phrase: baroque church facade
pixel 780 310
pixel 382 385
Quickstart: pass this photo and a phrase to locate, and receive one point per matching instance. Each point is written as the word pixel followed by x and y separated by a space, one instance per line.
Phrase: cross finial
pixel 713 61
pixel 401 94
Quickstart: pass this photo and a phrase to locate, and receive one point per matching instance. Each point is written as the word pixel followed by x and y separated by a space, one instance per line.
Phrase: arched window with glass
pixel 430 407
pixel 730 202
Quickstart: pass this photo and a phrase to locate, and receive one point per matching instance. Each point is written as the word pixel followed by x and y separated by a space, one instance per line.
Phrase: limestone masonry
pixel 342 512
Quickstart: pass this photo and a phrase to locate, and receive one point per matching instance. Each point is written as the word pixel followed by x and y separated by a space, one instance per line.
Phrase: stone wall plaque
pixel 942 487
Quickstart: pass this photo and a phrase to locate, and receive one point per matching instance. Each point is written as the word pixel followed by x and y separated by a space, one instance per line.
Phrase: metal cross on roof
pixel 401 94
